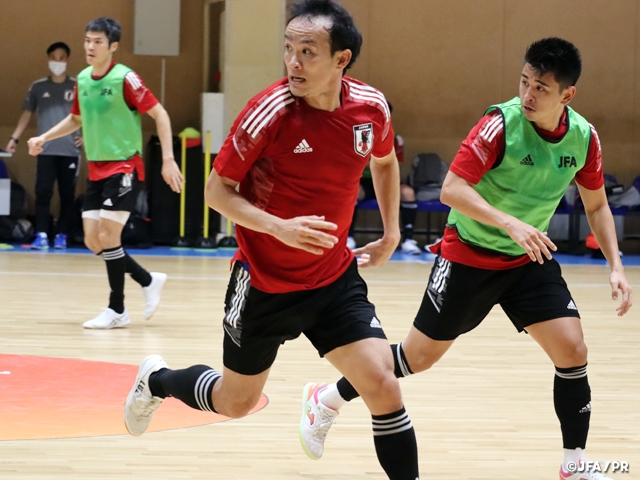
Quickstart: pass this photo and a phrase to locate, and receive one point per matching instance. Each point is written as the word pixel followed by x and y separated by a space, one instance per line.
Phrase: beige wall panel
pixel 440 62
pixel 634 169
pixel 605 33
pixel 361 11
pixel 431 58
pixel 253 51
pixel 28 27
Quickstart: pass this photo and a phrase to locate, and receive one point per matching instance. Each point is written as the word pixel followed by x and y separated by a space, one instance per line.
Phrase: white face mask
pixel 57 68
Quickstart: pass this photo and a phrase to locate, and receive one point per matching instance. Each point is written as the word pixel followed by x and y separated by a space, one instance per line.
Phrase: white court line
pixel 5 373
pixel 226 279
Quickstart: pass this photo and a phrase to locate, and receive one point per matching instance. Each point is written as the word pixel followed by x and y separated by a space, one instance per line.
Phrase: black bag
pixel 15 226
pixel 15 230
pixel 6 227
pixel 18 208
pixel 137 230
pixel 76 232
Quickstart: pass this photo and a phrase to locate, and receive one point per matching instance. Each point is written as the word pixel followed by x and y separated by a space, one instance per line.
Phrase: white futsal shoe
pixel 152 293
pixel 316 421
pixel 140 404
pixel 410 247
pixel 108 319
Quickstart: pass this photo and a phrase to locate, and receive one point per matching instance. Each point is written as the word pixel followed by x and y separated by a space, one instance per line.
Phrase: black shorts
pixel 117 193
pixel 257 323
pixel 459 297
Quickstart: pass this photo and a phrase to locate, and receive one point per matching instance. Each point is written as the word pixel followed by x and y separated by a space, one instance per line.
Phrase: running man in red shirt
pixel 297 152
pixel 503 187
pixel 109 100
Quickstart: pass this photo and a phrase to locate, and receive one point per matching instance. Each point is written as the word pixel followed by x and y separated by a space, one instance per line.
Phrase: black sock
pixel 572 401
pixel 192 385
pixel 400 365
pixel 400 369
pixel 136 271
pixel 114 259
pixel 346 390
pixel 396 447
pixel 408 211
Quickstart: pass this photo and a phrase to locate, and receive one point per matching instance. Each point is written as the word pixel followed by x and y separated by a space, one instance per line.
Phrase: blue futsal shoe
pixel 41 242
pixel 60 242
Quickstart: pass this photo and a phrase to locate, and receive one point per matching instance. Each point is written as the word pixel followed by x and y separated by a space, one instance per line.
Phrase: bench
pixel 429 206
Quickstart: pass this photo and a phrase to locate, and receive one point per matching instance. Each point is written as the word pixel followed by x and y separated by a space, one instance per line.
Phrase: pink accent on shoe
pixel 317 388
pixel 563 474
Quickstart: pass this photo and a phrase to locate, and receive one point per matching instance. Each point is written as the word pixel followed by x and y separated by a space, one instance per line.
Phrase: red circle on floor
pixel 45 397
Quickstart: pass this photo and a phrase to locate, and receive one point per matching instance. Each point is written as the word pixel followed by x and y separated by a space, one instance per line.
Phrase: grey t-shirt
pixel 52 103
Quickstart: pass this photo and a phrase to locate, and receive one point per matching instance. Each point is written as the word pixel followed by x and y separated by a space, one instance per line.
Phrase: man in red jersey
pixel 297 152
pixel 109 100
pixel 503 188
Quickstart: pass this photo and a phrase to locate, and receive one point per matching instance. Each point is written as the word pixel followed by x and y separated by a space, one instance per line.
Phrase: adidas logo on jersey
pixel 108 202
pixel 571 306
pixel 375 323
pixel 527 160
pixel 46 95
pixel 303 147
pixel 586 408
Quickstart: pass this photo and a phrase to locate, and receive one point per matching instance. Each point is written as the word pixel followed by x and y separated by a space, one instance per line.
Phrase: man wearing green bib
pixel 503 187
pixel 109 102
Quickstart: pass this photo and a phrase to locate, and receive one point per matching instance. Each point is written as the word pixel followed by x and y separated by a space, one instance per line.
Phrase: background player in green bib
pixel 109 101
pixel 503 187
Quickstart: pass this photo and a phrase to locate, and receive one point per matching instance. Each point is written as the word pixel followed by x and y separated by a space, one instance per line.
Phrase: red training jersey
pixel 477 155
pixel 138 97
pixel 294 160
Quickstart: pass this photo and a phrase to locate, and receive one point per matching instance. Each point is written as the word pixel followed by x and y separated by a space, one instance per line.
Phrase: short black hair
pixel 108 26
pixel 557 56
pixel 343 34
pixel 56 46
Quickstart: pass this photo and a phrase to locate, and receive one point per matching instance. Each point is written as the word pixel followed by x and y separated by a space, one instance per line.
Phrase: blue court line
pixel 164 251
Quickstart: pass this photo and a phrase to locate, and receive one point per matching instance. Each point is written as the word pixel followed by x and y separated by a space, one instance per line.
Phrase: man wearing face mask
pixel 51 98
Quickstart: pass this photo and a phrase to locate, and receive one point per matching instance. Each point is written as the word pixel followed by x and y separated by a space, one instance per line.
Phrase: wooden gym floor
pixel 484 412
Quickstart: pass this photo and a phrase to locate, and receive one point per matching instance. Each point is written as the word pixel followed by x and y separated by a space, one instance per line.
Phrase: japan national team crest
pixel 363 139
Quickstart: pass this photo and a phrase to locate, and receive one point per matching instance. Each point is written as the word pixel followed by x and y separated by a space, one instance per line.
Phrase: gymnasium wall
pixel 440 62
pixel 28 27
